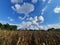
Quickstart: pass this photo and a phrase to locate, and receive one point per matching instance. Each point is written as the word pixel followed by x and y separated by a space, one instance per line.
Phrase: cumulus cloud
pixel 28 25
pixel 24 25
pixel 34 1
pixel 16 1
pixel 33 22
pixel 26 8
pixel 40 19
pixel 35 18
pixel 57 9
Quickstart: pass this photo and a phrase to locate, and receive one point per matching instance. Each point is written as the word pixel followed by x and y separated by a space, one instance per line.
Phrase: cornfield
pixel 25 37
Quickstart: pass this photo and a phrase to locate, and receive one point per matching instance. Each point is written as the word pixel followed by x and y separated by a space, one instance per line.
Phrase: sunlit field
pixel 26 37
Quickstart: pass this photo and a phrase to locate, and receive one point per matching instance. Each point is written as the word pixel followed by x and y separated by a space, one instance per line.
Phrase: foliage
pixel 8 27
pixel 53 29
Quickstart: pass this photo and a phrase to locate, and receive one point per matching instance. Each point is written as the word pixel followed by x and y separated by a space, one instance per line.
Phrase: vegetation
pixel 8 27
pixel 9 35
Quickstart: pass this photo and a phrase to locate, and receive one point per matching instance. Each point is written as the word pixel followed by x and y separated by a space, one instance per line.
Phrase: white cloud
pixel 46 27
pixel 35 25
pixel 28 25
pixel 26 8
pixel 33 22
pixel 3 22
pixel 45 7
pixel 10 19
pixel 40 19
pixel 24 25
pixel 56 26
pixel 49 1
pixel 29 18
pixel 34 1
pixel 13 8
pixel 22 18
pixel 35 18
pixel 43 0
pixel 57 9
pixel 13 24
pixel 21 1
pixel 17 1
pixel 43 10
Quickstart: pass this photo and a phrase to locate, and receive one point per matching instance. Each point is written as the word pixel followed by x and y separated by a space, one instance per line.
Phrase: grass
pixel 29 37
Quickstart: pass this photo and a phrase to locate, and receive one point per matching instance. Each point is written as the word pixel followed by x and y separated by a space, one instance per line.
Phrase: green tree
pixel 0 25
pixel 6 26
pixel 51 29
pixel 13 27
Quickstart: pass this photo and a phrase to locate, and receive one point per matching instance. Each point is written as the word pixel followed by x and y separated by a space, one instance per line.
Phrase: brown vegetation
pixel 29 37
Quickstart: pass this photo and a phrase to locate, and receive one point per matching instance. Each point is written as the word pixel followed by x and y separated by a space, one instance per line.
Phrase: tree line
pixel 14 27
pixel 8 27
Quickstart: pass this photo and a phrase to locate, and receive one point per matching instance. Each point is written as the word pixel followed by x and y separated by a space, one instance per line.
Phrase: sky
pixel 30 14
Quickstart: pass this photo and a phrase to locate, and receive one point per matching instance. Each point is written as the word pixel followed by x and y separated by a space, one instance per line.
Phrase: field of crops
pixel 29 37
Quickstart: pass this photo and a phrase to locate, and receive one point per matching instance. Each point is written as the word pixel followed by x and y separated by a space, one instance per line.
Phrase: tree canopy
pixel 8 27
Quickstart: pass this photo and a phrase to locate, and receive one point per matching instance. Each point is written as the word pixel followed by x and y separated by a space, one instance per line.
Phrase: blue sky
pixel 31 13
